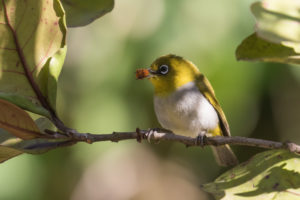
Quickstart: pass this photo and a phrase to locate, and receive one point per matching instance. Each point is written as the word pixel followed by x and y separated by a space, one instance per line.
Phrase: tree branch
pixel 188 141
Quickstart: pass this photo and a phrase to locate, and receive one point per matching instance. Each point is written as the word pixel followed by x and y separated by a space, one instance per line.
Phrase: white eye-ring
pixel 164 69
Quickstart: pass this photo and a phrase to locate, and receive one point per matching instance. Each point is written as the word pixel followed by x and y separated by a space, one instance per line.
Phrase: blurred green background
pixel 98 93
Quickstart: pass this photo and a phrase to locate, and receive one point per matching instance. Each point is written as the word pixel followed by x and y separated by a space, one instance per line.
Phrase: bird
pixel 185 103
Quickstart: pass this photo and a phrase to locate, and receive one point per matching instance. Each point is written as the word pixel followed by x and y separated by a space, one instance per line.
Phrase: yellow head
pixel 169 72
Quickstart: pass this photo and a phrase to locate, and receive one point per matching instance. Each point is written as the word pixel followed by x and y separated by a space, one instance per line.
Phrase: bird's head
pixel 167 73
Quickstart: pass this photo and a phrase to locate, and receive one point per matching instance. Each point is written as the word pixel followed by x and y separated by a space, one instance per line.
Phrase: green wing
pixel 207 90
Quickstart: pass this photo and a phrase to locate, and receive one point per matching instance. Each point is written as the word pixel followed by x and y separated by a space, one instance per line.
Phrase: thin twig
pixel 188 141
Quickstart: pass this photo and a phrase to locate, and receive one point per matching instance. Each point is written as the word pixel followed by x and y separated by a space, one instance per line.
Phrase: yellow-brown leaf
pixel 17 121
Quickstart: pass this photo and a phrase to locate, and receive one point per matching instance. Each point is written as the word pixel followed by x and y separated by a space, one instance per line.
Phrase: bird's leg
pixel 200 138
pixel 163 130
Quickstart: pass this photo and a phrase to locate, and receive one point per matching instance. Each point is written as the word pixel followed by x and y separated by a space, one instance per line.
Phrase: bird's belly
pixel 186 111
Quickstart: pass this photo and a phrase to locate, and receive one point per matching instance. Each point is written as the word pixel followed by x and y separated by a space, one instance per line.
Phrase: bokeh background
pixel 98 93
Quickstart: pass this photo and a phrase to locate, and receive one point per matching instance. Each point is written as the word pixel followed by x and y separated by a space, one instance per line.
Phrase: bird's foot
pixel 200 140
pixel 150 134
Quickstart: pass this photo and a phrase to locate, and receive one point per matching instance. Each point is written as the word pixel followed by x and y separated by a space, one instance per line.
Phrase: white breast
pixel 186 111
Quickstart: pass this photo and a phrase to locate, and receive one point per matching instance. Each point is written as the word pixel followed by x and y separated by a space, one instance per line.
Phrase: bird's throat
pixel 166 86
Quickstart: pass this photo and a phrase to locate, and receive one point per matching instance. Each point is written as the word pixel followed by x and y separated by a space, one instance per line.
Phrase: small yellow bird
pixel 185 103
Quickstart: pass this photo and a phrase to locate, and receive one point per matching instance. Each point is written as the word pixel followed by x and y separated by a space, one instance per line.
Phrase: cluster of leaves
pixel 277 33
pixel 272 174
pixel 33 49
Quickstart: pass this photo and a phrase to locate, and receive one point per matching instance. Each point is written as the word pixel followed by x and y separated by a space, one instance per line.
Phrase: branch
pixel 165 136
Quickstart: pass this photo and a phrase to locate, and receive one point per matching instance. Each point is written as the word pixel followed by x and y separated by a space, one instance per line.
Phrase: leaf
pixel 17 121
pixel 81 13
pixel 11 146
pixel 44 123
pixel 32 50
pixel 277 33
pixel 254 48
pixel 49 75
pixel 270 175
pixel 7 153
pixel 277 20
pixel 19 133
pixel 37 146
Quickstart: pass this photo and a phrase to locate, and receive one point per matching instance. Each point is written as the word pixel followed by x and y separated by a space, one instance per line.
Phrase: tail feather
pixel 224 155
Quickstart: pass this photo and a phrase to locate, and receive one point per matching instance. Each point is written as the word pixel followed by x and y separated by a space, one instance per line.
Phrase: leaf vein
pixel 17 128
pixel 13 71
pixel 26 68
pixel 29 38
pixel 9 49
pixel 22 17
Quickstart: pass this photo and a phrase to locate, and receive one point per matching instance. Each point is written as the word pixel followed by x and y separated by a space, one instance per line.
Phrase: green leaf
pixel 44 123
pixel 48 77
pixel 254 48
pixel 278 21
pixel 270 175
pixel 32 50
pixel 81 13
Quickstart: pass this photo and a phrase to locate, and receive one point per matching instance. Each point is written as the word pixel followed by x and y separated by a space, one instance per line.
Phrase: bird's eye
pixel 164 69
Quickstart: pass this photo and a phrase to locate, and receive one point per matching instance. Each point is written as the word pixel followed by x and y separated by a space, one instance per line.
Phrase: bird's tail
pixel 224 155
